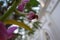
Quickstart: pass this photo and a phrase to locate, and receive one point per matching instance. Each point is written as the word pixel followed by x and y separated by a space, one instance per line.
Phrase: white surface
pixel 51 5
pixel 56 15
pixel 55 20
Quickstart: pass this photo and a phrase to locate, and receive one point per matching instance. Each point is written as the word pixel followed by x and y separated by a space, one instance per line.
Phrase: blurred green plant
pixel 14 4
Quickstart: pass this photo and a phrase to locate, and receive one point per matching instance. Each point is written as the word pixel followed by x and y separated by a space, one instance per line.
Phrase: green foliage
pixel 8 12
pixel 32 3
pixel 36 24
pixel 31 32
pixel 14 4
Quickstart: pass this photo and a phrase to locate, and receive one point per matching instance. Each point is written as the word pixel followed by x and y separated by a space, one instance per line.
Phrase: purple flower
pixel 21 7
pixel 5 34
pixel 31 15
pixel 10 31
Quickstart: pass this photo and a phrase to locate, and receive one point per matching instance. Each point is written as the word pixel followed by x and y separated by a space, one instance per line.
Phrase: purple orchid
pixel 10 31
pixel 22 5
pixel 31 15
pixel 5 34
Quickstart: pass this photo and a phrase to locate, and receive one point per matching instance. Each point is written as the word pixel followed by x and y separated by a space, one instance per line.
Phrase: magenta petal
pixel 10 31
pixel 31 15
pixel 21 7
pixel 3 32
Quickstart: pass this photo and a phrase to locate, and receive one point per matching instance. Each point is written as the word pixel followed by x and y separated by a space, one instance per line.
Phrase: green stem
pixel 8 12
pixel 19 13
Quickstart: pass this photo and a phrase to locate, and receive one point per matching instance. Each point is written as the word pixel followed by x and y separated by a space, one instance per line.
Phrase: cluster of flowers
pixel 31 15
pixel 6 34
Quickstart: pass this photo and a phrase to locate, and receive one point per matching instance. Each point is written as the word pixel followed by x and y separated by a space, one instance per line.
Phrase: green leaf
pixel 21 24
pixel 36 24
pixel 33 3
pixel 30 33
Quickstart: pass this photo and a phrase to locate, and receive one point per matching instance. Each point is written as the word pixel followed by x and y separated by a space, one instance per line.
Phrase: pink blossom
pixel 31 15
pixel 5 34
pixel 21 7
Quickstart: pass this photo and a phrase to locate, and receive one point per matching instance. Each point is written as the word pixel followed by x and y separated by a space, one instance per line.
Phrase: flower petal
pixel 32 15
pixel 10 31
pixel 21 7
pixel 3 32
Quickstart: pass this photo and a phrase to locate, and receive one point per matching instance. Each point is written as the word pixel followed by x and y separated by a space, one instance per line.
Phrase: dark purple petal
pixel 21 7
pixel 3 32
pixel 10 31
pixel 31 15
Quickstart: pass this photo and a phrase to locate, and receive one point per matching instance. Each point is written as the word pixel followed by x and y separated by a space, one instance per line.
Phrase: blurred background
pixel 48 12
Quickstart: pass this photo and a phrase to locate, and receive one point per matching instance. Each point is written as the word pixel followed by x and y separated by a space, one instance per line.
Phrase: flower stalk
pixel 8 12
